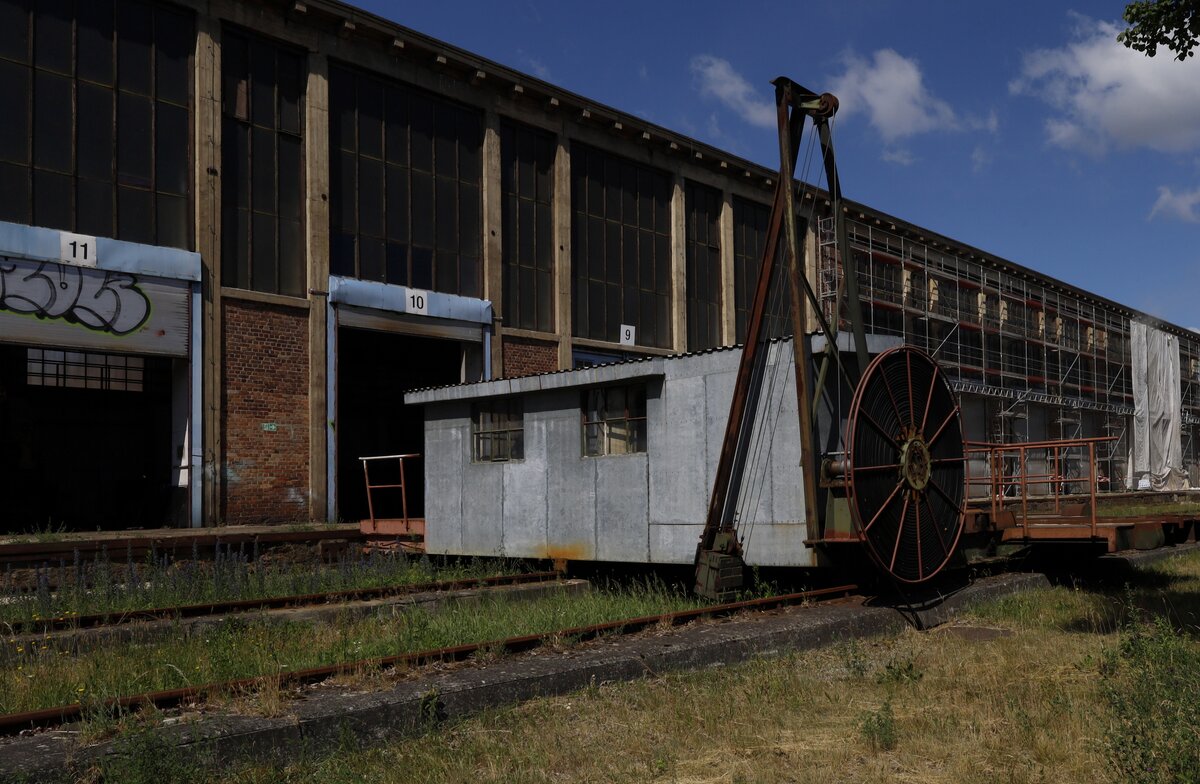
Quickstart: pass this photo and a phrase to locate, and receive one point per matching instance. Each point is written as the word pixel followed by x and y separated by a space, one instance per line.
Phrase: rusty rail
pixel 13 723
pixel 115 618
pixel 137 544
pixel 999 481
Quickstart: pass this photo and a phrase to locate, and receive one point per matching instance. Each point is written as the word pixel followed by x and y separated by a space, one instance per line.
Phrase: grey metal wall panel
pixel 678 450
pixel 674 543
pixel 525 495
pixel 778 545
pixel 570 479
pixel 482 507
pixel 444 487
pixel 48 304
pixel 622 506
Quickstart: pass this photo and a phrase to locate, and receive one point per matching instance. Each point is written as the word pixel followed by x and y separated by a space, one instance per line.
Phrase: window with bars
pixel 498 431
pixel 83 370
pixel 614 420
pixel 262 153
pixel 405 170
pixel 703 266
pixel 97 101
pixel 620 247
pixel 526 178
pixel 749 240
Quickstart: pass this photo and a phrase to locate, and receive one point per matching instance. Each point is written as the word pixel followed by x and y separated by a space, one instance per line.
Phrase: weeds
pixel 101 585
pixel 878 728
pixel 1149 681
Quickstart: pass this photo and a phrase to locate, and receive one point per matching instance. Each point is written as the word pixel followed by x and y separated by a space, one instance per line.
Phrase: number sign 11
pixel 77 249
pixel 417 302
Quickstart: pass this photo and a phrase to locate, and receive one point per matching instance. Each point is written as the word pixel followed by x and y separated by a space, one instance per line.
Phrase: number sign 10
pixel 417 302
pixel 77 249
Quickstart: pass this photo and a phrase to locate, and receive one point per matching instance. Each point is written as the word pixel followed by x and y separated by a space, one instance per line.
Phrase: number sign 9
pixel 417 302
pixel 628 335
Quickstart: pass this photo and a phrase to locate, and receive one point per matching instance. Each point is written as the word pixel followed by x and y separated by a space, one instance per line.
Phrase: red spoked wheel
pixel 904 472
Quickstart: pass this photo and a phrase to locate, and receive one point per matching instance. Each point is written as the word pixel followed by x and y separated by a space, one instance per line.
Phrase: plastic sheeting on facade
pixel 1157 419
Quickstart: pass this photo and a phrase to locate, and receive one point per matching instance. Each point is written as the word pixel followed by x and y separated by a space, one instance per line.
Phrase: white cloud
pixel 980 158
pixel 535 66
pixel 891 90
pixel 898 156
pixel 718 79
pixel 1184 206
pixel 1106 95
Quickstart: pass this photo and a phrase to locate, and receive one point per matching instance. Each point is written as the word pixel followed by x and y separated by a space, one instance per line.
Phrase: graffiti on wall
pixel 102 301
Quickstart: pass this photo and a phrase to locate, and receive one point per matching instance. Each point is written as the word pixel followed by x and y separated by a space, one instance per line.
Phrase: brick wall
pixel 264 413
pixel 524 357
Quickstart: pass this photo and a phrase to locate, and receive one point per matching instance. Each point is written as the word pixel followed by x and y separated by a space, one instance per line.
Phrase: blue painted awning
pixel 389 297
pixel 41 244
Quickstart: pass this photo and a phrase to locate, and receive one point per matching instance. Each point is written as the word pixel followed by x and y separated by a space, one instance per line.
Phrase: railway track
pixel 119 617
pixel 138 544
pixel 15 723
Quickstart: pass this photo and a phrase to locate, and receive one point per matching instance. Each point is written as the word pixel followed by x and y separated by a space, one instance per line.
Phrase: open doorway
pixel 86 440
pixel 374 370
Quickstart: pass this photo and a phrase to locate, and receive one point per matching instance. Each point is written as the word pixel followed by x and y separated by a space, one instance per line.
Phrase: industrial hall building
pixel 234 234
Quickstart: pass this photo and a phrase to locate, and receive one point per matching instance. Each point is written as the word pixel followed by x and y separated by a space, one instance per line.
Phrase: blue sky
pixel 1022 128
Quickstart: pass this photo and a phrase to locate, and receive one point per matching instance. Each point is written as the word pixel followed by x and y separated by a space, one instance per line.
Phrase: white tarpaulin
pixel 1157 421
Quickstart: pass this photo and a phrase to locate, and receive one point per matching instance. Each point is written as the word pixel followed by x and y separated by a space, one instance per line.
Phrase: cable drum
pixel 905 469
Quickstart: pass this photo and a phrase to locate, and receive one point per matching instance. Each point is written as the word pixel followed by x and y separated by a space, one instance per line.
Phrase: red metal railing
pixel 1009 490
pixel 401 486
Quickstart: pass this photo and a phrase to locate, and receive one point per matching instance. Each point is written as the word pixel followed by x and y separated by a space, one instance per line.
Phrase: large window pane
pixel 405 183
pixel 527 250
pixel 624 248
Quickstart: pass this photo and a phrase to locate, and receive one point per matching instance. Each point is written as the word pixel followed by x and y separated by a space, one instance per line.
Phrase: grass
pixel 36 676
pixel 1070 685
pixel 104 585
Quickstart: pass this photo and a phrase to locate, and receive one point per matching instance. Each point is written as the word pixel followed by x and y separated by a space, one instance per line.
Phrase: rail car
pixel 824 451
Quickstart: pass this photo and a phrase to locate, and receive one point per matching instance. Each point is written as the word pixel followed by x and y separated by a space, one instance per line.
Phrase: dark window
pixel 405 171
pixel 703 266
pixel 614 420
pixel 262 166
pixel 96 136
pixel 527 164
pixel 749 240
pixel 498 430
pixel 83 370
pixel 620 247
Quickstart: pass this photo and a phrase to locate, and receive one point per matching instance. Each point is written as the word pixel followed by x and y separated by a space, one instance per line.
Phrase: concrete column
pixel 812 270
pixel 678 266
pixel 561 210
pixel 316 151
pixel 207 186
pixel 728 299
pixel 493 265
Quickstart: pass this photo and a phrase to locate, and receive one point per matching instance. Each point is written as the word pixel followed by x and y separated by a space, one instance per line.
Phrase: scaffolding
pixel 1031 362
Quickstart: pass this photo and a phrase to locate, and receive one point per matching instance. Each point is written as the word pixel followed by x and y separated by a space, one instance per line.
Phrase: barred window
pixel 620 248
pixel 262 152
pixel 527 164
pixel 97 102
pixel 83 370
pixel 405 170
pixel 703 266
pixel 498 431
pixel 614 420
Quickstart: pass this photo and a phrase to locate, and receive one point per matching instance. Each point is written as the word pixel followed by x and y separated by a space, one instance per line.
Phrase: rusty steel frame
pixel 366 461
pixel 998 483
pixel 793 104
pixel 117 618
pixel 13 723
